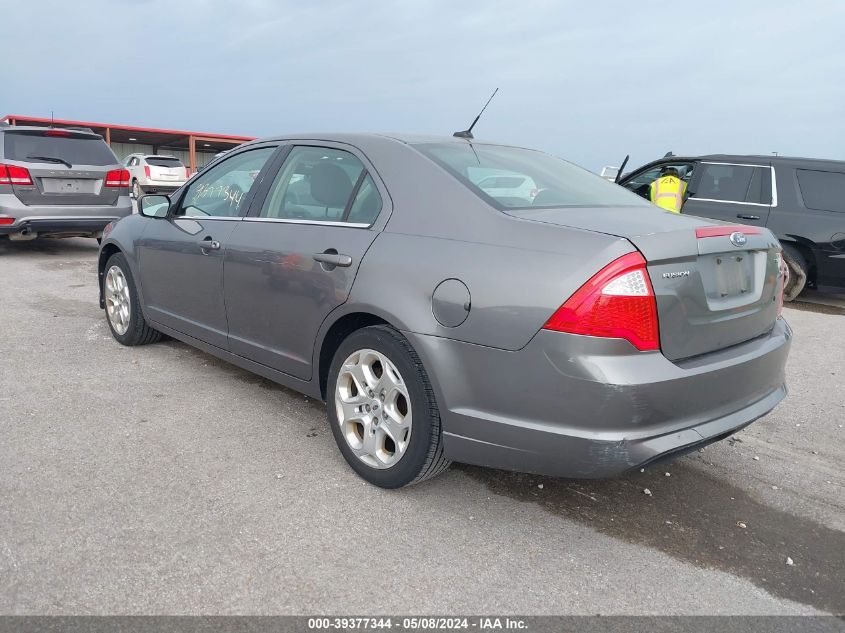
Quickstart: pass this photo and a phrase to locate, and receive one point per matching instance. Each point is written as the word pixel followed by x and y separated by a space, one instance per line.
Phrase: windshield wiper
pixel 51 159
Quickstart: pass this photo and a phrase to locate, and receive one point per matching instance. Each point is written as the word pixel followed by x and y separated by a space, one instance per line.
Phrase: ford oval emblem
pixel 738 238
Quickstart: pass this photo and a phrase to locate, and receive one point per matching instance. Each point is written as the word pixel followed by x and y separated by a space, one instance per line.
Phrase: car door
pixel 294 258
pixel 732 192
pixel 181 256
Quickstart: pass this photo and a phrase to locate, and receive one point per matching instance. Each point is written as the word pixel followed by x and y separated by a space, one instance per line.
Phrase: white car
pixel 154 173
pixel 499 183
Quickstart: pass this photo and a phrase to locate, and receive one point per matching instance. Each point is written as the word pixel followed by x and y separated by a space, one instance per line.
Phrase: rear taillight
pixel 14 175
pixel 618 302
pixel 783 273
pixel 117 178
pixel 147 170
pixel 64 133
pixel 7 221
pixel 187 172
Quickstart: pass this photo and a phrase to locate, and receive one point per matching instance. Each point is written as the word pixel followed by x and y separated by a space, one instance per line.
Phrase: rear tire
pixel 137 190
pixel 407 398
pixel 797 273
pixel 123 307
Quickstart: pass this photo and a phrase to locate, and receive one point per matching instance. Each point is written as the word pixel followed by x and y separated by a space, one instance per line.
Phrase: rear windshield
pixel 515 178
pixel 164 161
pixel 34 146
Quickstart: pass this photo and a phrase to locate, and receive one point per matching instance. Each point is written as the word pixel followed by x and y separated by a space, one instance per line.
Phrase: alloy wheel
pixel 373 408
pixel 118 304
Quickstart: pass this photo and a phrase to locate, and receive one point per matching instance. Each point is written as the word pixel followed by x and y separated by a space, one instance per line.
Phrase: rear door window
pixel 755 187
pixel 822 190
pixel 734 183
pixel 36 146
pixel 323 184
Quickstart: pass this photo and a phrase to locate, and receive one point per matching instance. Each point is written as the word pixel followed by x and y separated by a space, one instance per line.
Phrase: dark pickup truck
pixel 801 200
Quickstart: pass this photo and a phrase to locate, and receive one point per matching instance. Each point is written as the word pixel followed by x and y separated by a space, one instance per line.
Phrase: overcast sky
pixel 589 81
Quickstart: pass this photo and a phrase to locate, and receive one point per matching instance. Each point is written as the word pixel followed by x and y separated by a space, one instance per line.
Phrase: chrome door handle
pixel 742 216
pixel 210 245
pixel 332 258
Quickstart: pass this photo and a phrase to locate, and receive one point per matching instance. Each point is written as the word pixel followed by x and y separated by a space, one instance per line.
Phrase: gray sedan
pixel 567 328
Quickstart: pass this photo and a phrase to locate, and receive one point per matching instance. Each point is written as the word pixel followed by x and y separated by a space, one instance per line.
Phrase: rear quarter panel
pixel 512 290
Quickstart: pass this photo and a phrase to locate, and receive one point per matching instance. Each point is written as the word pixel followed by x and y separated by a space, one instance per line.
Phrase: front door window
pixel 222 191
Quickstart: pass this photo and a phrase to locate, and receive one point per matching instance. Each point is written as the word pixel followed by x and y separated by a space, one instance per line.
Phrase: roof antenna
pixel 467 133
pixel 51 118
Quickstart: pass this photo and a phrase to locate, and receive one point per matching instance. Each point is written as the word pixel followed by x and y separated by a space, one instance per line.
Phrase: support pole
pixel 192 153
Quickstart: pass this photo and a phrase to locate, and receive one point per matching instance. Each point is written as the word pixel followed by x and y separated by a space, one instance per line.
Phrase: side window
pixel 641 184
pixel 222 190
pixel 755 187
pixel 367 204
pixel 822 190
pixel 318 184
pixel 643 179
pixel 729 183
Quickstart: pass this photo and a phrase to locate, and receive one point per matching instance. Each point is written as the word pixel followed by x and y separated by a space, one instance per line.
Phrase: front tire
pixel 123 308
pixel 382 410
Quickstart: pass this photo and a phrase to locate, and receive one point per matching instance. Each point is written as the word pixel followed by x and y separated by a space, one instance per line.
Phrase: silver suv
pixel 59 182
pixel 153 173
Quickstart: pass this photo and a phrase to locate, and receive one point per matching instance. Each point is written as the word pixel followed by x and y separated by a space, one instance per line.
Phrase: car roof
pixel 766 159
pixel 365 138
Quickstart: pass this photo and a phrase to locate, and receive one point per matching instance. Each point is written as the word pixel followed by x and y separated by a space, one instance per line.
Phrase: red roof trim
pixel 129 128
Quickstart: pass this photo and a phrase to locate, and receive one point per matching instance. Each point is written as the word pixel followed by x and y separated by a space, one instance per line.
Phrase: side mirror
pixel 154 206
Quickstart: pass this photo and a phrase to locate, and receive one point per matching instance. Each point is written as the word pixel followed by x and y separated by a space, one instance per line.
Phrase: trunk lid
pixel 711 292
pixel 66 167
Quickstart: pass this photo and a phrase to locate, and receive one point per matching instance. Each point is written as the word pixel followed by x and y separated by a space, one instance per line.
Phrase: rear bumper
pixel 55 226
pixel 577 406
pixel 70 219
pixel 160 185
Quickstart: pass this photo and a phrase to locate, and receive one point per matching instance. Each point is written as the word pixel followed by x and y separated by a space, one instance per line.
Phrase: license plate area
pixel 68 185
pixel 732 279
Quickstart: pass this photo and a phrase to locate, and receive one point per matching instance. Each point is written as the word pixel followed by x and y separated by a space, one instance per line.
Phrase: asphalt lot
pixel 160 480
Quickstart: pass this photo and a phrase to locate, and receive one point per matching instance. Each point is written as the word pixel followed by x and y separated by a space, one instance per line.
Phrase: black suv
pixel 802 201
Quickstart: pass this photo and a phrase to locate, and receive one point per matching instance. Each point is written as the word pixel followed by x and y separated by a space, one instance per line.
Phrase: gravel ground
pixel 159 480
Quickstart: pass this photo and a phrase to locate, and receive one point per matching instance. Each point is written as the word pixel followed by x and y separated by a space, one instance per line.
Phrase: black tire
pixel 797 272
pixel 423 458
pixel 138 331
pixel 137 190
